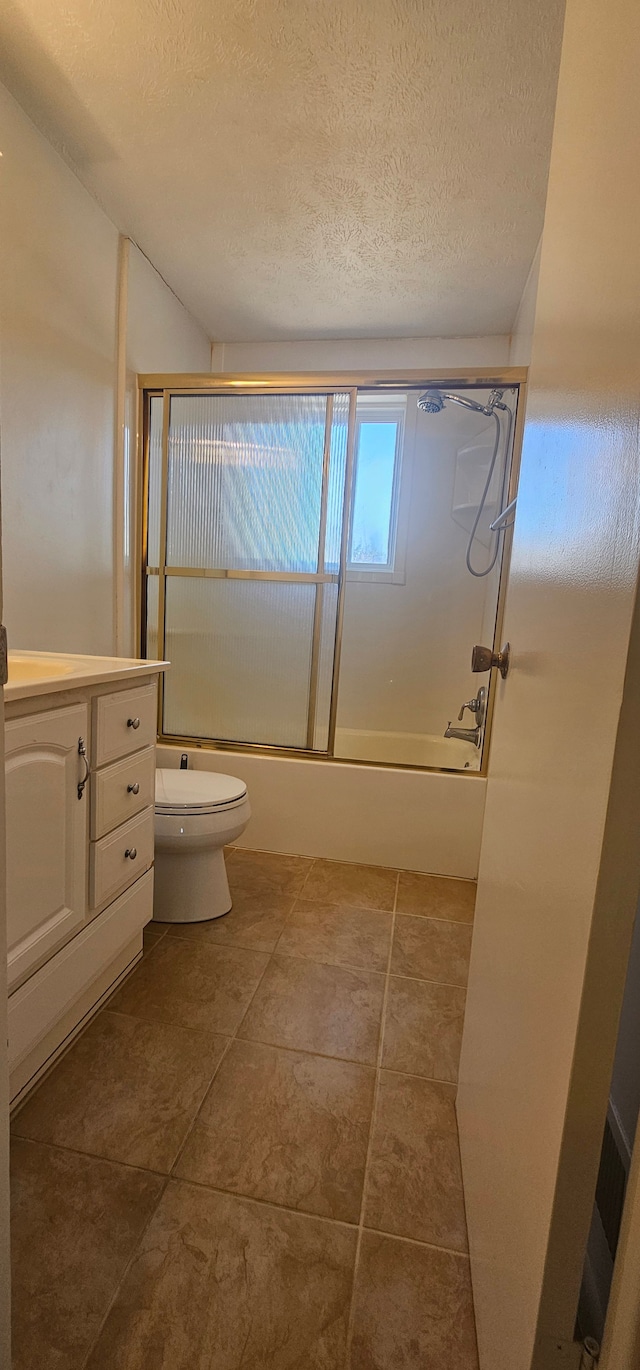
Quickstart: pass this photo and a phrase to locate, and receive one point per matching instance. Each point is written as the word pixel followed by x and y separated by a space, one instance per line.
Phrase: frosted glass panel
pixel 245 481
pixel 325 666
pixel 241 659
pixel 153 589
pixel 335 493
pixel 155 470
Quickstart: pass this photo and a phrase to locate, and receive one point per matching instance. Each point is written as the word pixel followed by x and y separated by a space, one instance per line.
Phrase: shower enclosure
pixel 306 554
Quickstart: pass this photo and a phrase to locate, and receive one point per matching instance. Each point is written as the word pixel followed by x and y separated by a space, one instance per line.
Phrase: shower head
pixel 433 401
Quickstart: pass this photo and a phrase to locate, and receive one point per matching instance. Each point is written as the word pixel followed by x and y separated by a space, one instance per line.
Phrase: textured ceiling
pixel 307 168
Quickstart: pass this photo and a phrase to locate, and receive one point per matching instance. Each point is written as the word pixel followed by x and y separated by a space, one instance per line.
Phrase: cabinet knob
pixel 131 852
pixel 133 789
pixel 133 722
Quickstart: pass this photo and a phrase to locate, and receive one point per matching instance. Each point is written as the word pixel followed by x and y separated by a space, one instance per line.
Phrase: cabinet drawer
pixel 124 722
pixel 111 869
pixel 122 790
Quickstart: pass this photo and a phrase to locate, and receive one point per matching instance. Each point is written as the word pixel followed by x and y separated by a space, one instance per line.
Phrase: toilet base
pixel 190 888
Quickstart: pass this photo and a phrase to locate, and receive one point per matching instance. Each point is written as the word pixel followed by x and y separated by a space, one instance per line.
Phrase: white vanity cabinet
pixel 80 787
pixel 47 830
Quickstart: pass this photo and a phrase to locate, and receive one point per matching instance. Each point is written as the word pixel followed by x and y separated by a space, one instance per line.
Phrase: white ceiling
pixel 307 168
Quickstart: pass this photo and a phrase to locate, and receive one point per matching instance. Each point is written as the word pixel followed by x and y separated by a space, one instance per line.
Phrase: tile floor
pixel 250 1157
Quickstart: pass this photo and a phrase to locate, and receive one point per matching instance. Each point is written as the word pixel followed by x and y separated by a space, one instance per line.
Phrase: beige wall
pixel 360 354
pixel 159 335
pixel 521 339
pixel 58 301
pixel 64 440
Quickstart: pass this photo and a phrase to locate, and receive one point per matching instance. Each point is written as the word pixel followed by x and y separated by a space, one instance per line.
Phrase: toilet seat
pixel 181 793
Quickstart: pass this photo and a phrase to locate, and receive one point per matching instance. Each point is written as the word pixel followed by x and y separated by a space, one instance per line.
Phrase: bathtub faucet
pixel 478 707
pixel 465 734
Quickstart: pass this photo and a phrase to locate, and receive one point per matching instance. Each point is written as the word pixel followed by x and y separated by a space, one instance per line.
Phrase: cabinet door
pixel 47 834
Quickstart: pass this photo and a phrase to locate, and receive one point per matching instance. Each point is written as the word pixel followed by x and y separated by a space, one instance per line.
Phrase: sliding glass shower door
pixel 245 551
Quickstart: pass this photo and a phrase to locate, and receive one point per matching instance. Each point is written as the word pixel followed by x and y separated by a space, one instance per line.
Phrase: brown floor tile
pixel 267 876
pixel 338 935
pixel 151 935
pixel 76 1222
pixel 222 1282
pixel 431 949
pixel 317 1008
pixel 250 923
pixel 423 1028
pixel 435 896
pixel 362 887
pixel 414 1180
pixel 127 1090
pixel 286 1127
pixel 192 985
pixel 413 1308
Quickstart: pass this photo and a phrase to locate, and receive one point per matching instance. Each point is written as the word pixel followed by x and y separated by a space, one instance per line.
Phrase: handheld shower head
pixel 433 401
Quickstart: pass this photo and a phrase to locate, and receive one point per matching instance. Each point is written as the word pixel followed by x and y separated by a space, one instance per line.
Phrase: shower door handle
pixel 484 659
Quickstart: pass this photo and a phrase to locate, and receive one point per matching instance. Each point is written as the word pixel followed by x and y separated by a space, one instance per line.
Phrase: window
pixel 374 549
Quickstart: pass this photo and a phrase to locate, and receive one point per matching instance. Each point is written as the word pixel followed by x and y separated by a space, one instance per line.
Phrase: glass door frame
pixel 165 386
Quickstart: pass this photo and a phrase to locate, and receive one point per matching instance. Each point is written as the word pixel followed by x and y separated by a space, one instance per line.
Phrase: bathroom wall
pixel 58 311
pixel 160 335
pixel 360 354
pixel 522 336
pixel 66 425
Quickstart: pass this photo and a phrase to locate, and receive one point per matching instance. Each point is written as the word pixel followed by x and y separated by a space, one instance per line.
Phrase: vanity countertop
pixel 39 673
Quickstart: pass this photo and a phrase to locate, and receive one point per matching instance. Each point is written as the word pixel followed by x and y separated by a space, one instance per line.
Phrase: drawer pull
pixel 133 789
pixel 131 852
pixel 82 751
pixel 133 722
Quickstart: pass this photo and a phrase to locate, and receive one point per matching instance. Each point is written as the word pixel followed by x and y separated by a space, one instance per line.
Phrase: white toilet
pixel 197 814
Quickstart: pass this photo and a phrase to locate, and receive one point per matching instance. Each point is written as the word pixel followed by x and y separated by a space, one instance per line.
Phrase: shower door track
pixel 217 573
pixel 166 386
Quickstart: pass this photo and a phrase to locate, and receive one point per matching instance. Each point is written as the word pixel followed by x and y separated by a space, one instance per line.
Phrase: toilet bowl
pixel 197 814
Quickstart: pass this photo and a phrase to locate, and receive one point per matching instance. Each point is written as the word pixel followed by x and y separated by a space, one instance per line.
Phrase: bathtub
pixel 416 820
pixel 407 749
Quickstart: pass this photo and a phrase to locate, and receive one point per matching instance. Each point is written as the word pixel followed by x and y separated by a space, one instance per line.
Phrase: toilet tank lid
pixel 196 789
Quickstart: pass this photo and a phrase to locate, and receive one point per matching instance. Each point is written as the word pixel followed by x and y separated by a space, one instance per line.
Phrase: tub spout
pixel 465 734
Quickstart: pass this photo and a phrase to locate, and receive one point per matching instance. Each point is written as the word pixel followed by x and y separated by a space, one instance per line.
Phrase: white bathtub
pixel 381 816
pixel 407 749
